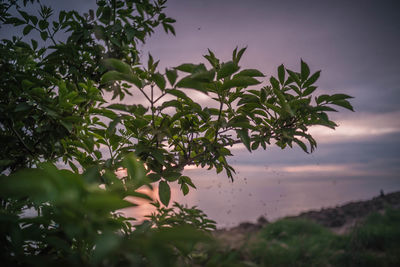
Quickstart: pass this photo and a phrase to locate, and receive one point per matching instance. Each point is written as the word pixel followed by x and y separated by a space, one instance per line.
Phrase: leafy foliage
pixel 291 242
pixel 50 215
pixel 373 241
pixel 180 215
pixel 52 86
pixel 64 102
pixel 191 134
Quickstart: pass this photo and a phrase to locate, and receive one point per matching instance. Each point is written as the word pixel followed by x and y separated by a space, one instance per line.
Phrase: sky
pixel 355 44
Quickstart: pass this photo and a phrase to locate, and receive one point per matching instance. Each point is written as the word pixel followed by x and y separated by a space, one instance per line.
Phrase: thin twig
pixel 21 140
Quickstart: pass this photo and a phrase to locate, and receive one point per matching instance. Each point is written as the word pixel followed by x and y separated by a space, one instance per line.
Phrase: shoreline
pixel 339 219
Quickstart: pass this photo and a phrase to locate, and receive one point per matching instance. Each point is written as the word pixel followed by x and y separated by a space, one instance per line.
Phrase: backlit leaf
pixel 239 81
pixel 187 67
pixel 309 90
pixel 159 80
pixel 344 104
pixel 294 77
pixel 27 29
pixel 305 71
pixel 118 65
pixel 312 79
pixel 250 73
pixel 244 136
pixel 164 192
pixel 227 69
pixel 281 74
pixel 336 97
pixel 191 83
pixel 171 76
pixel 43 35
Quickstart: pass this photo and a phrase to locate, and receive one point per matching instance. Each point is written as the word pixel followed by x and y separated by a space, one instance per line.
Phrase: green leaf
pixel 61 16
pixel 171 176
pixel 305 71
pixel 203 76
pixel 140 195
pixel 98 154
pixel 244 136
pixel 159 80
pixel 33 19
pixel 324 108
pixel 336 97
pixel 135 169
pixel 239 81
pixel 187 180
pixel 294 77
pixel 212 59
pixel 263 95
pixel 281 74
pixel 172 103
pixel 312 79
pixel 15 21
pixel 118 65
pixel 24 15
pixel 22 107
pixel 105 112
pixel 29 182
pixel 113 124
pixel 322 98
pixel 106 244
pixel 187 67
pixel 106 15
pixel 158 155
pixel 189 82
pixel 27 29
pixel 274 82
pixel 43 24
pixel 154 177
pixel 26 84
pixel 123 107
pixel 275 108
pixel 43 35
pixel 185 189
pixel 132 78
pixel 106 202
pixel 227 69
pixel 343 103
pixel 250 73
pixel 73 167
pixel 309 90
pixel 281 97
pixel 301 144
pixel 164 192
pixel 171 76
pixel 178 93
pixel 112 76
pixel 255 145
pixel 67 125
pixel 237 56
pixel 34 44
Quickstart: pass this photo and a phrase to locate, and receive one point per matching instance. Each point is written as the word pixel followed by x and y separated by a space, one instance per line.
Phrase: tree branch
pixel 20 139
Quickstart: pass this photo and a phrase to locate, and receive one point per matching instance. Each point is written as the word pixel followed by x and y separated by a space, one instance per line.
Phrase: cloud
pixel 358 127
pixel 316 168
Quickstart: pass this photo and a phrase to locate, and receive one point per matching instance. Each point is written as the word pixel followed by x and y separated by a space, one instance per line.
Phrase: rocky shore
pixel 339 219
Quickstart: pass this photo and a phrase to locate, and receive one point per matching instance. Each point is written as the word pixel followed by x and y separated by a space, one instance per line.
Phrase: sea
pixel 265 192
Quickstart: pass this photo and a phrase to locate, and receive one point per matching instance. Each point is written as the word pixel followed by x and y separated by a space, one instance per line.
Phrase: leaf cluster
pixel 67 218
pixel 177 132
